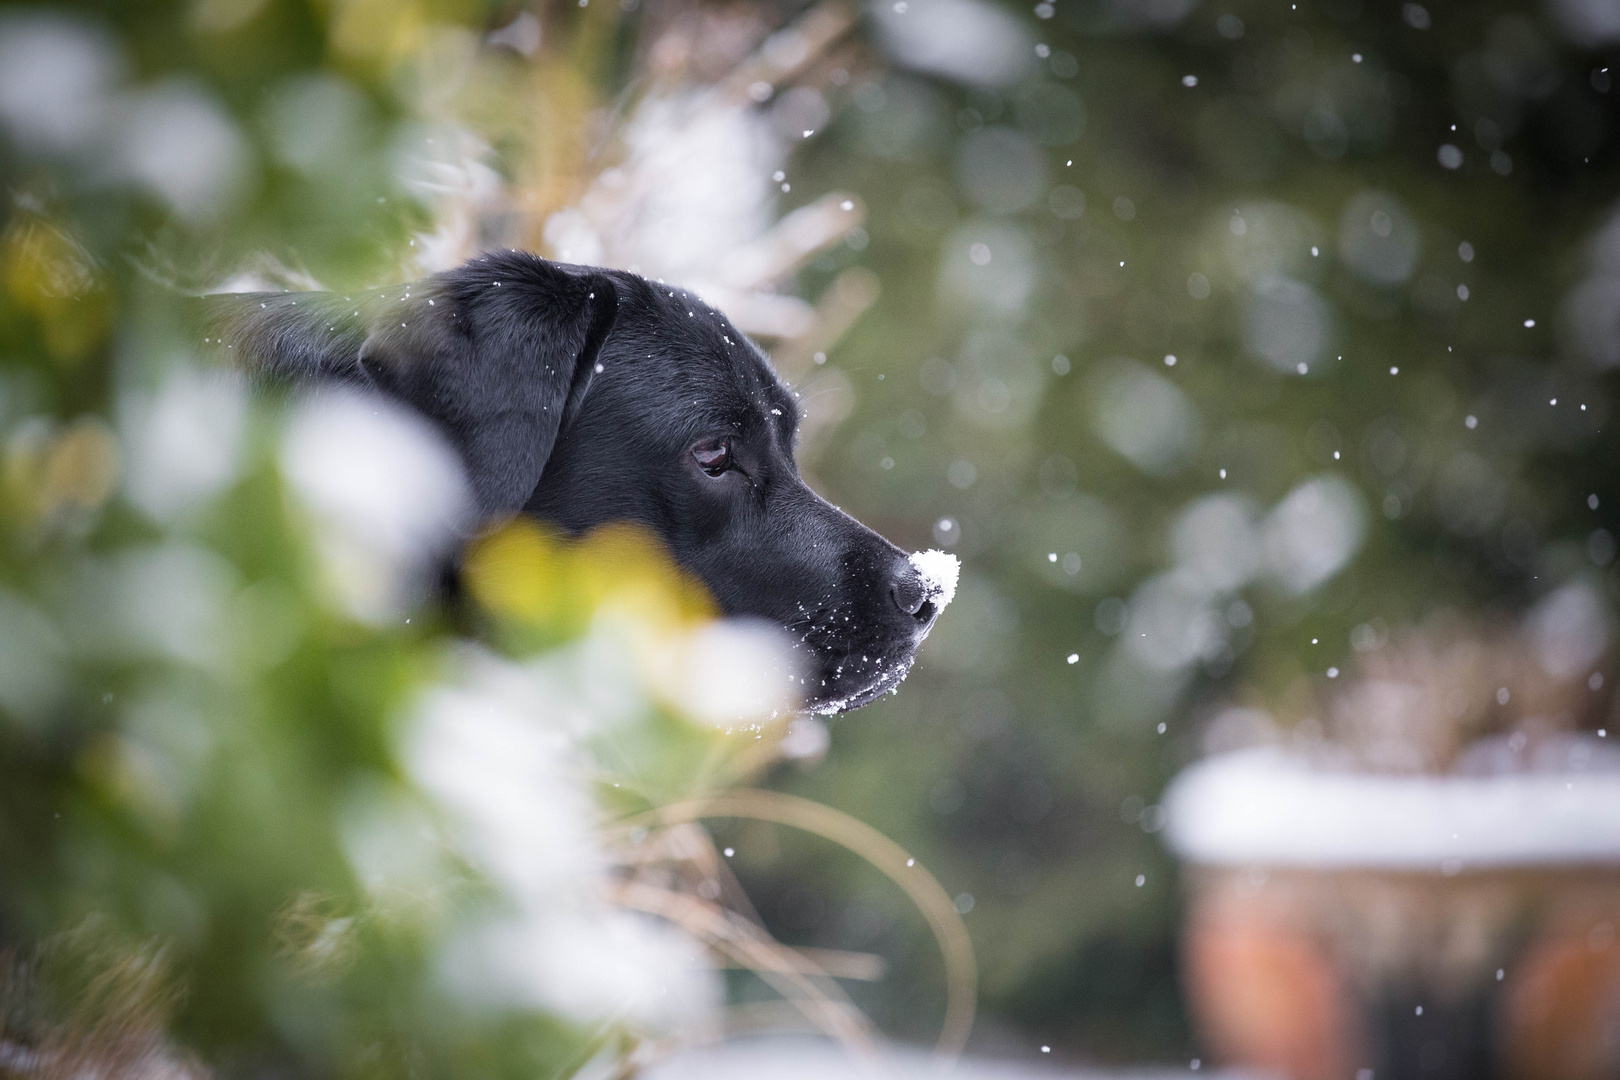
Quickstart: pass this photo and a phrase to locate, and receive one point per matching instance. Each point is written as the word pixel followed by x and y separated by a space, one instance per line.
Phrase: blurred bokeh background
pixel 1255 357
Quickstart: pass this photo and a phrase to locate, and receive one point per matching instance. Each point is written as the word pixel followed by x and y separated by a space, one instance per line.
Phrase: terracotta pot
pixel 1343 926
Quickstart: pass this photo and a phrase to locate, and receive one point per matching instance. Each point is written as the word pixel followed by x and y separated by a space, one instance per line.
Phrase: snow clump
pixel 940 571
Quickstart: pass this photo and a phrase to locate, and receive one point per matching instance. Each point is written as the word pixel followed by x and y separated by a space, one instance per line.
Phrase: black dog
pixel 585 396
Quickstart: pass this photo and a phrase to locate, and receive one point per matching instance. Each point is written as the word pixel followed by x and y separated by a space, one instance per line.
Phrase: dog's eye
pixel 714 456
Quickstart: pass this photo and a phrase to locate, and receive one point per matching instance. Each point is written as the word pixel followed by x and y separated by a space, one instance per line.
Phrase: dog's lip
pixel 873 692
pixel 891 678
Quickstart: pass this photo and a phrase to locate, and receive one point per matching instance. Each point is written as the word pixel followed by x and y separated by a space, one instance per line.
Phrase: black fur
pixel 576 395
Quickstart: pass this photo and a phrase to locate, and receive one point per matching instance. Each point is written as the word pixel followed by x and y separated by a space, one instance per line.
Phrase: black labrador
pixel 583 396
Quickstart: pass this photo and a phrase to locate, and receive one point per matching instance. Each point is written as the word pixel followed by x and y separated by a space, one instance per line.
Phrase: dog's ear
pixel 499 353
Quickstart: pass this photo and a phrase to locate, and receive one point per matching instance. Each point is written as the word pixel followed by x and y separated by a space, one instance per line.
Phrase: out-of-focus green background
pixel 1217 338
pixel 1230 159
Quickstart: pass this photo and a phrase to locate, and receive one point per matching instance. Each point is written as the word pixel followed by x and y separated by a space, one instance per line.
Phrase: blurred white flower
pixel 621 963
pixel 964 40
pixel 486 748
pixel 392 842
pixel 57 75
pixel 1287 324
pixel 177 141
pixel 728 673
pixel 1313 532
pixel 596 684
pixel 807 739
pixel 183 441
pixel 1570 629
pixel 492 747
pixel 1146 418
pixel 386 493
pixel 1378 239
pixel 588 966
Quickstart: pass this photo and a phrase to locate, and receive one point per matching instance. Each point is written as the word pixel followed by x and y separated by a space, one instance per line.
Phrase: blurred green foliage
pixel 1022 777
pixel 194 721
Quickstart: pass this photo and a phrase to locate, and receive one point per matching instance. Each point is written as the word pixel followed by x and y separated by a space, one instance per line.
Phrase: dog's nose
pixel 909 592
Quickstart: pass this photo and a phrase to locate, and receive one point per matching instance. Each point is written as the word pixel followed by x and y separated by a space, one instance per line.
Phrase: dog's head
pixel 584 396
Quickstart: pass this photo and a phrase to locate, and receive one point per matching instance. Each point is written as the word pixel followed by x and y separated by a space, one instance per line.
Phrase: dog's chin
pixel 846 685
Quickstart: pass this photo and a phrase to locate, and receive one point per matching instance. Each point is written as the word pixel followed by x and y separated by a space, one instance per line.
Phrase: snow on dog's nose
pixel 932 586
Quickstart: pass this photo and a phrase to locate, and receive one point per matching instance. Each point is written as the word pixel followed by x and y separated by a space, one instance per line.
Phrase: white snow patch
pixel 184 442
pixel 1264 806
pixel 386 493
pixel 730 673
pixel 940 571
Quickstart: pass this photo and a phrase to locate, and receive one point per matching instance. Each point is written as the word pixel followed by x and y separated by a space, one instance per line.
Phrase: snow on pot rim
pixel 1265 806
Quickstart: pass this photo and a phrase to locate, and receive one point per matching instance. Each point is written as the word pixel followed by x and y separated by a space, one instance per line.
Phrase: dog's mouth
pixel 888 683
pixel 855 682
pixel 849 660
pixel 855 657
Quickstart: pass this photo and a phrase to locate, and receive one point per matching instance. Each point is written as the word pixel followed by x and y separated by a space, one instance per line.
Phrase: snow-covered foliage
pixel 1264 807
